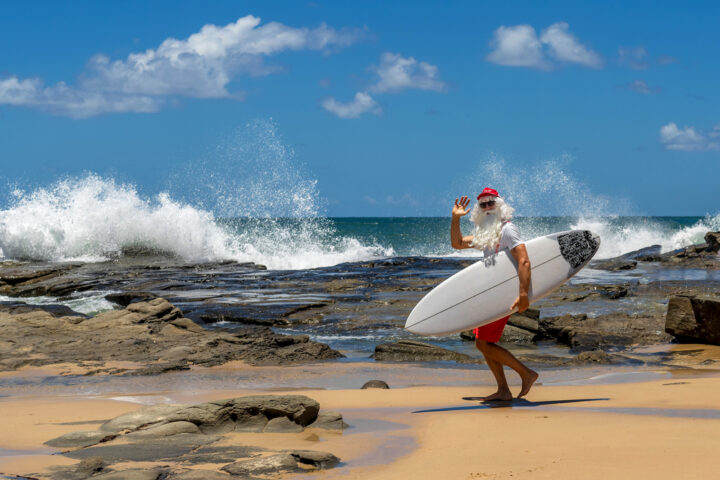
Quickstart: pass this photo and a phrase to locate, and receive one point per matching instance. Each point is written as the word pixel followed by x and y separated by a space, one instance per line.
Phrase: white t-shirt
pixel 509 239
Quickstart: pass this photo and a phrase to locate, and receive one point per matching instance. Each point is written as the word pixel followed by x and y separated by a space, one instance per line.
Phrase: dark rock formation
pixel 694 319
pixel 614 264
pixel 411 351
pixel 582 333
pixel 375 384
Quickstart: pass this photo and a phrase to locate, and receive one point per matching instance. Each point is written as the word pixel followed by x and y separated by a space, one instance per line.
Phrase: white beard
pixel 487 230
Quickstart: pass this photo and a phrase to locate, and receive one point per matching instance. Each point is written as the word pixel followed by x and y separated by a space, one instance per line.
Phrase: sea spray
pixel 547 189
pixel 92 218
pixel 248 201
pixel 253 181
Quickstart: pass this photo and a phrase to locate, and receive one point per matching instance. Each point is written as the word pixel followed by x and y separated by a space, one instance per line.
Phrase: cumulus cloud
pixel 565 47
pixel 398 73
pixel 361 103
pixel 519 46
pixel 61 99
pixel 200 66
pixel 688 139
pixel 633 57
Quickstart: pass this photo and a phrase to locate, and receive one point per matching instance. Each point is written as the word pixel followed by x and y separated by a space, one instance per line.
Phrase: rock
pixel 282 425
pixel 17 308
pixel 375 384
pixel 187 324
pixel 153 334
pixel 694 319
pixel 713 241
pixel 647 254
pixel 274 464
pixel 83 438
pixel 126 298
pixel 614 264
pixel 516 335
pixel 199 475
pixel 131 474
pixel 223 454
pixel 412 351
pixel 582 333
pixel 527 320
pixel 248 413
pixel 90 466
pixel 139 418
pixel 146 449
pixel 579 293
pixel 329 420
pixel 319 460
pixel 701 255
pixel 166 430
pixel 467 335
pixel 593 356
pixel 522 328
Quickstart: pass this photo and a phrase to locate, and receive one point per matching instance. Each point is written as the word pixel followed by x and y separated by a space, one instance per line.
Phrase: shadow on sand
pixel 516 403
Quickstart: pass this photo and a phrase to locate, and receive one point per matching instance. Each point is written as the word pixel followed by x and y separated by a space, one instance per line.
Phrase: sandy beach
pixel 662 428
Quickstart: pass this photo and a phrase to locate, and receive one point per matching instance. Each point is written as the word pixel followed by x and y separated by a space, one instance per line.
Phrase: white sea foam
pixel 86 304
pixel 252 177
pixel 94 218
pixel 549 189
pixel 619 237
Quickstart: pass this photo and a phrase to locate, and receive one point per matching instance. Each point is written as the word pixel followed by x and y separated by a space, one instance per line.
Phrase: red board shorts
pixel 492 331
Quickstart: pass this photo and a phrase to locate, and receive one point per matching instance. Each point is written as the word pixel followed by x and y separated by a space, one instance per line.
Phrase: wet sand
pixel 660 424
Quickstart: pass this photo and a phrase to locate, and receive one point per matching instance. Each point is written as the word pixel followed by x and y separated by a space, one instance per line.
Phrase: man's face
pixel 487 205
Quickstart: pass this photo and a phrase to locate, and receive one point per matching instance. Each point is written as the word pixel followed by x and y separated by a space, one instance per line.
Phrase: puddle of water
pixel 613 377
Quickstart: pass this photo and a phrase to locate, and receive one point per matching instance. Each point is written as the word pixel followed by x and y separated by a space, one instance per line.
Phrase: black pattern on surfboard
pixel 578 247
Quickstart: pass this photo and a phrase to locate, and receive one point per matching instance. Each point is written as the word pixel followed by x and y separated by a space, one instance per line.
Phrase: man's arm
pixel 523 262
pixel 459 210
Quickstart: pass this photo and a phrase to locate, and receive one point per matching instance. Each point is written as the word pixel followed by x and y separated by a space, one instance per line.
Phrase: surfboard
pixel 484 291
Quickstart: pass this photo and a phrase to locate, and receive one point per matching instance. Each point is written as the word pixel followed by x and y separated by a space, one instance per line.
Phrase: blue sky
pixel 393 107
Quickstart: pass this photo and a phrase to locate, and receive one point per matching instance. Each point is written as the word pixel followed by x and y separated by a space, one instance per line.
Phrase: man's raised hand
pixel 460 209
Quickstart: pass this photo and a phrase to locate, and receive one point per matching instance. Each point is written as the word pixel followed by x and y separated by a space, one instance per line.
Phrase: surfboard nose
pixel 578 247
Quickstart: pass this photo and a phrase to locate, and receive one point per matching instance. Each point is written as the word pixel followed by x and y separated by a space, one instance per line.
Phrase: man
pixel 494 231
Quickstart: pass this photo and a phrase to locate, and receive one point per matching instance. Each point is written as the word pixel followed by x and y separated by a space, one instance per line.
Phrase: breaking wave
pixel 248 201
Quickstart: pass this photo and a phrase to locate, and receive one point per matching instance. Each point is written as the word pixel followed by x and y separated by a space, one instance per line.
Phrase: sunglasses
pixel 489 203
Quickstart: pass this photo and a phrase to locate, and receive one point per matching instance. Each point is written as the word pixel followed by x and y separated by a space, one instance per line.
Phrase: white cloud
pixel 200 66
pixel 566 48
pixel 398 73
pixel 361 103
pixel 61 99
pixel 519 46
pixel 633 57
pixel 640 86
pixel 688 139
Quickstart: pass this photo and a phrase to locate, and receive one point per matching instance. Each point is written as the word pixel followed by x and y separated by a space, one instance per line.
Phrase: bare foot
pixel 498 396
pixel 527 383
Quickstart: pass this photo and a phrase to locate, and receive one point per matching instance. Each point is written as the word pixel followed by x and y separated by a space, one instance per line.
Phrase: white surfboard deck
pixel 484 291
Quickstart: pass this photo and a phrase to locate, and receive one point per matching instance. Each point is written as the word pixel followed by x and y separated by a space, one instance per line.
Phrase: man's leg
pixel 503 391
pixel 498 354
